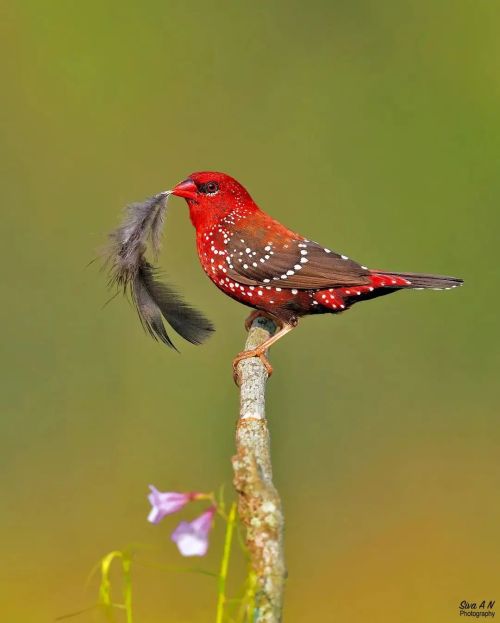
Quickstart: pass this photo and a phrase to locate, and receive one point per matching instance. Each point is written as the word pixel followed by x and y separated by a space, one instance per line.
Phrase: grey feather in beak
pixel 130 271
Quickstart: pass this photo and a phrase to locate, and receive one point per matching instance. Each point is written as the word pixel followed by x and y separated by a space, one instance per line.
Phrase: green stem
pixel 127 586
pixel 250 595
pixel 228 539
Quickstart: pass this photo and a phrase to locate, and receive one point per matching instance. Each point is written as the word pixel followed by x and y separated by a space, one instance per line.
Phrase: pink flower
pixel 191 537
pixel 167 503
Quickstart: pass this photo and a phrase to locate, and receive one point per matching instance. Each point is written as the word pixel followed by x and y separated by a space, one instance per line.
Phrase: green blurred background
pixel 371 126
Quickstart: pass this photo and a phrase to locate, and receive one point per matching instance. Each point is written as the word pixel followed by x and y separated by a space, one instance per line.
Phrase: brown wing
pixel 291 262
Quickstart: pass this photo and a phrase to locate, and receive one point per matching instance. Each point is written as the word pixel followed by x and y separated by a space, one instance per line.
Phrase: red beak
pixel 186 189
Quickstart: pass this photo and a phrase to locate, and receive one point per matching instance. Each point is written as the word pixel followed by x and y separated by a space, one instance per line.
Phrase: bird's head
pixel 211 196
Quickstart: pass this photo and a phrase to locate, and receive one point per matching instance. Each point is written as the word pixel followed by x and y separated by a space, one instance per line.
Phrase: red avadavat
pixel 250 257
pixel 261 263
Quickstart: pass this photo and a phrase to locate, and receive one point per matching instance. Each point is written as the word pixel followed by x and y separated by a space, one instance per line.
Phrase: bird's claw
pixel 248 354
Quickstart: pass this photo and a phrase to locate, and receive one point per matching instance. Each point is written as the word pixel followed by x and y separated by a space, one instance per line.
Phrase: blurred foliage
pixel 371 126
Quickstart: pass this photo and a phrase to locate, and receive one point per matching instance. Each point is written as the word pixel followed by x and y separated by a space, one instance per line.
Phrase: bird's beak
pixel 186 189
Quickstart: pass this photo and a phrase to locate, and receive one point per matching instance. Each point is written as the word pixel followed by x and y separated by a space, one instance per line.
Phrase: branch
pixel 259 504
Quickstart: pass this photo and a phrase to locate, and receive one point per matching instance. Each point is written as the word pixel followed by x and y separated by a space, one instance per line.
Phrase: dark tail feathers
pixel 437 282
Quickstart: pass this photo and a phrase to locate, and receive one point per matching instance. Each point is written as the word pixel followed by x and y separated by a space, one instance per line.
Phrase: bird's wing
pixel 290 261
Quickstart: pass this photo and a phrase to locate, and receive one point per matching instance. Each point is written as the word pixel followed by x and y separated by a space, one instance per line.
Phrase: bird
pixel 257 261
pixel 250 257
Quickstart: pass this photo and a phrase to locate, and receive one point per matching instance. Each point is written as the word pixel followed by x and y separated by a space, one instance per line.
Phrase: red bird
pixel 250 257
pixel 259 262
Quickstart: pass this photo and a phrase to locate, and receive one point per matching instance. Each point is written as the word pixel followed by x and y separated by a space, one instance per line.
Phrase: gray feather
pixel 130 271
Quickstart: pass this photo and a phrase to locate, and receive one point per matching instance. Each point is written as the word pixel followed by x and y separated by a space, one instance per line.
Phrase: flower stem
pixel 127 588
pixel 228 539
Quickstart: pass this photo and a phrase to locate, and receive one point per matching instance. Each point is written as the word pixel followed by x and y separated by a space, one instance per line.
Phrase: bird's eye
pixel 210 188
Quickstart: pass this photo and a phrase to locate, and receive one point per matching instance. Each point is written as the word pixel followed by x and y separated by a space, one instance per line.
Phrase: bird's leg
pixel 260 351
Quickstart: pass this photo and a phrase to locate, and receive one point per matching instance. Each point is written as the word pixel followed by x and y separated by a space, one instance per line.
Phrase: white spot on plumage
pixel 295 291
pixel 344 257
pixel 303 260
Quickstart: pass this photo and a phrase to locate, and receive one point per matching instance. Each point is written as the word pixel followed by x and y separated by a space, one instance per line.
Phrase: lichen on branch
pixel 259 503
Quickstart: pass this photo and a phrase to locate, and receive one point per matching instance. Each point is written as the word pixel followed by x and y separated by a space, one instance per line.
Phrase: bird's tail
pixel 420 280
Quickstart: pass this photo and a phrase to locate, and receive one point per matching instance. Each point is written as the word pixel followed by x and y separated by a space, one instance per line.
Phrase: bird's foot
pixel 248 354
pixel 260 314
